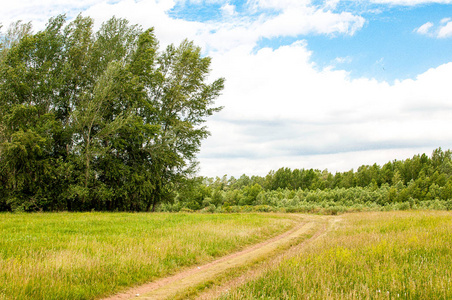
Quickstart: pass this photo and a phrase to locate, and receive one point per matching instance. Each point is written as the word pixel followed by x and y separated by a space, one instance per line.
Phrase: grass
pixel 243 265
pixel 89 255
pixel 392 255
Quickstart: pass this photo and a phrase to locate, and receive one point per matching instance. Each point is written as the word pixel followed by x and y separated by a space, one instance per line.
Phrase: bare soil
pixel 259 258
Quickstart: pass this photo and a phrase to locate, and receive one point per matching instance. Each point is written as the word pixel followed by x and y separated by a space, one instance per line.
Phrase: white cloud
pixel 281 111
pixel 40 11
pixel 228 9
pixel 289 17
pixel 298 21
pixel 343 60
pixel 148 13
pixel 411 2
pixel 442 31
pixel 331 4
pixel 445 31
pixel 278 4
pixel 338 162
pixel 294 18
pixel 425 29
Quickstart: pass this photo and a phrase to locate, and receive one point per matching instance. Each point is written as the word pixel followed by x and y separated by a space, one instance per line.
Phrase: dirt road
pixel 233 269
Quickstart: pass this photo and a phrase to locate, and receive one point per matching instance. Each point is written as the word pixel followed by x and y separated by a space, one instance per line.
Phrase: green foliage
pixel 98 120
pixel 418 183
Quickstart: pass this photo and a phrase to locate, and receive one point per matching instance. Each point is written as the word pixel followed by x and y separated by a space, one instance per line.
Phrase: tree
pixel 99 120
pixel 182 100
pixel 28 72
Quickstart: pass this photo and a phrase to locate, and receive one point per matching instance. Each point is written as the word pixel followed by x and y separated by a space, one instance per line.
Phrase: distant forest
pixel 421 182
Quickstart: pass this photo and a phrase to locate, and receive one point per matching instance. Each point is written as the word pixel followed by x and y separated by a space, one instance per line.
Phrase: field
pixel 89 255
pixel 372 255
pixel 392 255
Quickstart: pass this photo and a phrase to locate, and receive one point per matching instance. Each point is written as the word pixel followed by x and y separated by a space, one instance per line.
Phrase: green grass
pixel 393 255
pixel 89 255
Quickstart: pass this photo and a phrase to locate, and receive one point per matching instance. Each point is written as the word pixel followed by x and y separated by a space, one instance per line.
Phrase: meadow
pixel 374 255
pixel 90 255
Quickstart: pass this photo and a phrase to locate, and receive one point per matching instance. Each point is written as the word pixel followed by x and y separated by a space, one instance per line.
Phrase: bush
pixel 403 206
pixel 448 204
pixel 209 209
pixel 263 208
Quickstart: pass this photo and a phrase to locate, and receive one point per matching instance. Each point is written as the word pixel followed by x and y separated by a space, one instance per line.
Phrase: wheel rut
pixel 251 262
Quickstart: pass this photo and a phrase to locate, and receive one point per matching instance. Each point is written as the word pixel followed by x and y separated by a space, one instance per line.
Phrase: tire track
pixel 171 286
pixel 253 273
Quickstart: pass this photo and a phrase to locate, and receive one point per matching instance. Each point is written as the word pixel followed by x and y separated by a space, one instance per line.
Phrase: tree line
pixel 421 181
pixel 99 120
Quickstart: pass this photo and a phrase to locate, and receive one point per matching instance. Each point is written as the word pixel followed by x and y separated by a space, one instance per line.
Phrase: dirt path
pixel 326 225
pixel 278 248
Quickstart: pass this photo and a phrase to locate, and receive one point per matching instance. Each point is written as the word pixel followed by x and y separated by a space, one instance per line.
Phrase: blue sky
pixel 309 84
pixel 386 48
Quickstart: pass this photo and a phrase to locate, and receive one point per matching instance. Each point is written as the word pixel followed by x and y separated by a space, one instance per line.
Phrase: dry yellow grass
pixel 88 255
pixel 377 255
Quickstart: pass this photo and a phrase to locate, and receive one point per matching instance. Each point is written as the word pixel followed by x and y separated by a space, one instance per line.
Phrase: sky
pixel 323 84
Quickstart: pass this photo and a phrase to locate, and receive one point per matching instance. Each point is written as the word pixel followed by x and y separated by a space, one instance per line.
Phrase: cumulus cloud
pixel 343 60
pixel 288 18
pixel 40 11
pixel 333 162
pixel 331 4
pixel 278 4
pixel 425 29
pixel 293 18
pixel 282 111
pixel 148 13
pixel 411 2
pixel 304 20
pixel 268 19
pixel 228 9
pixel 444 30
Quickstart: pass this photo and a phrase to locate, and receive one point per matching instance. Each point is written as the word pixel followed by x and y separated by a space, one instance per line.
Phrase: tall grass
pixel 88 255
pixel 391 255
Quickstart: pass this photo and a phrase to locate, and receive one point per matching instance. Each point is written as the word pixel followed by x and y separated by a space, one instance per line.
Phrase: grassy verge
pixel 88 255
pixel 391 255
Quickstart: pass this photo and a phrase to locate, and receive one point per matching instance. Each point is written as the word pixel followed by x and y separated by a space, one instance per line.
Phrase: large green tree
pixel 98 120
